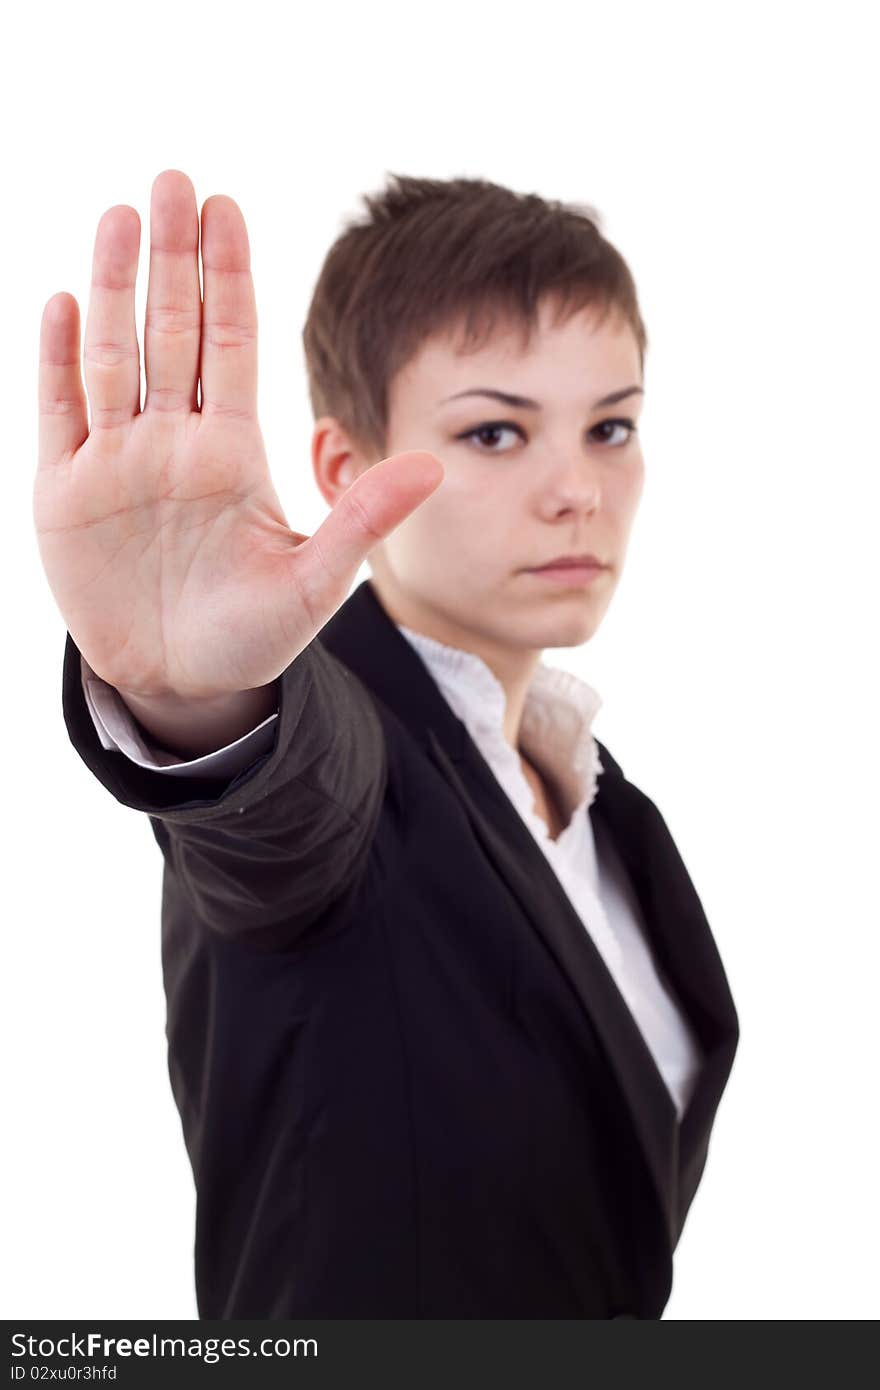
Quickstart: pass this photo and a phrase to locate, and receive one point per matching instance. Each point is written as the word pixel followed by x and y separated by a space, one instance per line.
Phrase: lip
pixel 570 562
pixel 571 575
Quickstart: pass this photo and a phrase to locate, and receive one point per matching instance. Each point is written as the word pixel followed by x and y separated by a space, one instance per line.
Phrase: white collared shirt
pixel 556 737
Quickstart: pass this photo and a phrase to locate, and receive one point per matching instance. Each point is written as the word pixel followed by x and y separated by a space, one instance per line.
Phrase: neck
pixel 512 667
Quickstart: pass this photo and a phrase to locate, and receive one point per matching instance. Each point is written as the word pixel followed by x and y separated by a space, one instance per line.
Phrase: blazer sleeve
pixel 118 729
pixel 263 853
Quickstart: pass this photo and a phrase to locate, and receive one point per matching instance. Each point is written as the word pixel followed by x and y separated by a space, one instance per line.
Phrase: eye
pixel 628 425
pixel 491 427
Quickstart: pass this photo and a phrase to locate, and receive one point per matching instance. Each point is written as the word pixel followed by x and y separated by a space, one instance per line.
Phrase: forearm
pixel 261 854
pixel 191 728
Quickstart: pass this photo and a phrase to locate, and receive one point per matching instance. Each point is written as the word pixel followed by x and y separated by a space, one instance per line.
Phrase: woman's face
pixel 523 484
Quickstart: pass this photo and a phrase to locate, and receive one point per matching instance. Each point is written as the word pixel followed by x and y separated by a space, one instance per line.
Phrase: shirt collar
pixel 558 712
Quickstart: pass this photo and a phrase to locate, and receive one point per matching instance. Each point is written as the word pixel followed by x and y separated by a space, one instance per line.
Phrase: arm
pixel 181 583
pixel 119 730
pixel 262 854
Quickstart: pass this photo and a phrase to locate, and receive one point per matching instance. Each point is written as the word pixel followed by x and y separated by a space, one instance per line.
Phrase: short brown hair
pixel 432 253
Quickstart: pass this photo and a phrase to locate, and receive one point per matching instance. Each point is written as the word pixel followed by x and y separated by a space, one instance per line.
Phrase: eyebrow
pixel 527 404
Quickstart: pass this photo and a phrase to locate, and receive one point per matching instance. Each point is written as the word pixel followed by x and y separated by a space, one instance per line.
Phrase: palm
pixel 160 531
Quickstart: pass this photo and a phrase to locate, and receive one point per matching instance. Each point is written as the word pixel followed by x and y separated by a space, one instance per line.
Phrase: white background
pixel 731 151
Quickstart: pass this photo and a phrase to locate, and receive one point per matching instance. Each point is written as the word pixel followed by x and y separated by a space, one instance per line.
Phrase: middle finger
pixel 172 326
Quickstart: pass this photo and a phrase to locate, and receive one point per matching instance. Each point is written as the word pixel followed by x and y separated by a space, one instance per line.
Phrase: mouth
pixel 569 572
pixel 579 561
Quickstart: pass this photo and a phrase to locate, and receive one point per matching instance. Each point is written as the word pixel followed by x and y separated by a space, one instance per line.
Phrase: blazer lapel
pixel 367 640
pixel 682 940
pixel 512 849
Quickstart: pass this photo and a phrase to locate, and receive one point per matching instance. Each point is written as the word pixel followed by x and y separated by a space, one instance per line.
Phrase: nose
pixel 572 487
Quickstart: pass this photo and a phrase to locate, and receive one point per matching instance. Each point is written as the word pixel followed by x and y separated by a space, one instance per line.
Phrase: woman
pixel 447 1026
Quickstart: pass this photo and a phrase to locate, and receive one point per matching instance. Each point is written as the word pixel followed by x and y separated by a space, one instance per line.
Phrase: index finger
pixel 228 364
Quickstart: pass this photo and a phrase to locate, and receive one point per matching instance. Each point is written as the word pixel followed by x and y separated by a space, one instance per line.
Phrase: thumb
pixel 369 510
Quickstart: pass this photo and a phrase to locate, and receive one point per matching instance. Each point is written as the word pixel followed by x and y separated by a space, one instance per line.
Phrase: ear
pixel 336 460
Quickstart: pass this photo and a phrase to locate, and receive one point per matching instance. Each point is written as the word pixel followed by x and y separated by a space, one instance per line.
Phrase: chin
pixel 570 630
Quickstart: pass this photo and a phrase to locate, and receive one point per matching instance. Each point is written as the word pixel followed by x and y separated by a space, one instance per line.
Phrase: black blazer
pixel 408 1084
